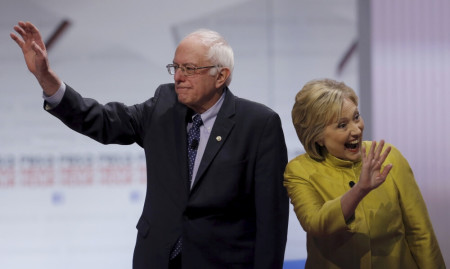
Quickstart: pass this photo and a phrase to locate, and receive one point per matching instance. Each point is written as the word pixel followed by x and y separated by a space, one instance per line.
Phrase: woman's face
pixel 343 138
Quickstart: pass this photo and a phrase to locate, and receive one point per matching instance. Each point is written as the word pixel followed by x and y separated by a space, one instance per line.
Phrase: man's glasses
pixel 187 70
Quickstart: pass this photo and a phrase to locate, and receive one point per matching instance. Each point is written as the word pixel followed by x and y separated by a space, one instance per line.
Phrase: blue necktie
pixel 193 138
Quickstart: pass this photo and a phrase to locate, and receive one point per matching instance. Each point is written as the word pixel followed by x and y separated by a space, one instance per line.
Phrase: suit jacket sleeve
pixel 272 204
pixel 112 123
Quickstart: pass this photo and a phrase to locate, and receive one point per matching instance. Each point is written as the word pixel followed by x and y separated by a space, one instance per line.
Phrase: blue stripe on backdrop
pixel 294 264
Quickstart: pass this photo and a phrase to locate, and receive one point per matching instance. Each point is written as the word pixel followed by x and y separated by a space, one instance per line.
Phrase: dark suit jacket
pixel 235 215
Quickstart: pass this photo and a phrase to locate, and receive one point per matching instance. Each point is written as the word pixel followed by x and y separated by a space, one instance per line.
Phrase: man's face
pixel 201 90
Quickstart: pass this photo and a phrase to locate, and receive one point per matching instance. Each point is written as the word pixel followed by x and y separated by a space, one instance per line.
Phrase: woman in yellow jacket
pixel 358 201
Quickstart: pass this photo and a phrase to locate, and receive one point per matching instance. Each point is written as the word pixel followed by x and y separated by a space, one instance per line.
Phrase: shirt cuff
pixel 55 99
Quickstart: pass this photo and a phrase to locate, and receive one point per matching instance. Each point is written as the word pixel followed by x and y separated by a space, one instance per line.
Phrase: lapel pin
pixel 218 138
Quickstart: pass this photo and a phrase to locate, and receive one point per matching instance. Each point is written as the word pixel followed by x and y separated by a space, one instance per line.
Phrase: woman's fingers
pixel 386 171
pixel 379 148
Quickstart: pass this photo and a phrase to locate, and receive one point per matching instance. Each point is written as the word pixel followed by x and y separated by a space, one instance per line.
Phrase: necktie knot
pixel 197 121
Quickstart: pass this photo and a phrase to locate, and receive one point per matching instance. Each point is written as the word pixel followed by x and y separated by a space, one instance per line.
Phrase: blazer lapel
pixel 181 144
pixel 219 134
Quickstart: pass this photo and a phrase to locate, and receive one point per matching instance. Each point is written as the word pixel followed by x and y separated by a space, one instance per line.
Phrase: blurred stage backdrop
pixel 69 202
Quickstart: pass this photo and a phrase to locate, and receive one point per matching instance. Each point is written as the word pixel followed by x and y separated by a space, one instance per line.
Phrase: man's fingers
pixel 26 29
pixel 29 27
pixel 26 26
pixel 19 41
pixel 38 50
pixel 21 31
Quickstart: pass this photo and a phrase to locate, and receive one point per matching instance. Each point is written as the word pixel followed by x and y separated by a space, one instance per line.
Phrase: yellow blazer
pixel 390 229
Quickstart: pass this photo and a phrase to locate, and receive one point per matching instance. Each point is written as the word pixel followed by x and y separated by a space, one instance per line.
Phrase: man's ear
pixel 222 75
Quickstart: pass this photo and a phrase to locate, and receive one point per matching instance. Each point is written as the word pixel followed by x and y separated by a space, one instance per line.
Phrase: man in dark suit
pixel 215 162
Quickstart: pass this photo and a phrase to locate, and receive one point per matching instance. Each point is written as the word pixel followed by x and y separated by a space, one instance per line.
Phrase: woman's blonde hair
pixel 318 104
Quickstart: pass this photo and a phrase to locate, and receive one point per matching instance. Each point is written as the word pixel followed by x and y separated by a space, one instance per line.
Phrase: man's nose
pixel 179 75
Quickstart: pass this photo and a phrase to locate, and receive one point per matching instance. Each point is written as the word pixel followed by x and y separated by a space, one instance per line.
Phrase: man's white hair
pixel 219 53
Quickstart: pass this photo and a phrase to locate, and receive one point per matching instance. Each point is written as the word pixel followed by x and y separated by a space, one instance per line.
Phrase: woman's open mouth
pixel 352 146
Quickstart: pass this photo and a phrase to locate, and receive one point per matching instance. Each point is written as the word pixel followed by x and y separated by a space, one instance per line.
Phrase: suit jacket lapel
pixel 181 144
pixel 219 134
